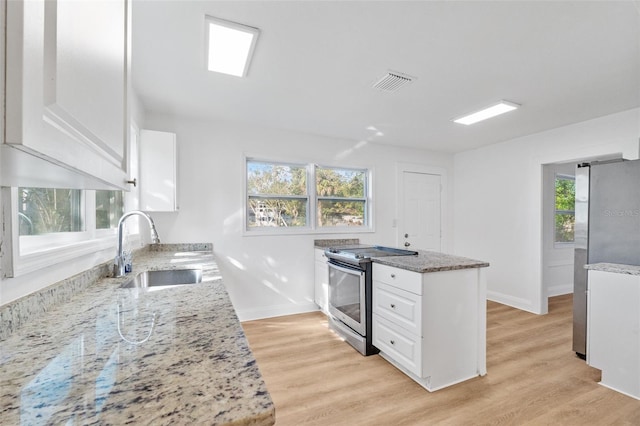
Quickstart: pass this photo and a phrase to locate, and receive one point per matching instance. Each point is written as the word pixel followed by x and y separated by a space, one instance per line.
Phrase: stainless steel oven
pixel 350 302
pixel 347 296
pixel 350 293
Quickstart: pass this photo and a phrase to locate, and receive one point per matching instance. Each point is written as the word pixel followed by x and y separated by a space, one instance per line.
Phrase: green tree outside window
pixel 47 210
pixel 341 197
pixel 277 195
pixel 565 196
pixel 280 195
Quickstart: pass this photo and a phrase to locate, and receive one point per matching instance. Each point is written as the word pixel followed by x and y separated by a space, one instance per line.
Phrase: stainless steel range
pixel 350 292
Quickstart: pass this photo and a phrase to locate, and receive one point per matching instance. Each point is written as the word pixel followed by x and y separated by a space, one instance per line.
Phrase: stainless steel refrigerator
pixel 607 228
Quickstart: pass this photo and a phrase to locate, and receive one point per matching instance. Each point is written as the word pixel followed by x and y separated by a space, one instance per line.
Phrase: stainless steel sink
pixel 164 278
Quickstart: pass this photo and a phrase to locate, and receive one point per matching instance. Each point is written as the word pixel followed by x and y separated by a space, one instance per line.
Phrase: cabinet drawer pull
pixel 393 342
pixel 393 275
pixel 393 306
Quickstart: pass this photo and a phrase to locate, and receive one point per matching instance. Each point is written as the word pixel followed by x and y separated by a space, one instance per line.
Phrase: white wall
pixel 268 275
pixel 498 200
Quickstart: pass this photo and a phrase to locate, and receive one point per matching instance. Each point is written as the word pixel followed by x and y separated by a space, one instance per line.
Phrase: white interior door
pixel 419 223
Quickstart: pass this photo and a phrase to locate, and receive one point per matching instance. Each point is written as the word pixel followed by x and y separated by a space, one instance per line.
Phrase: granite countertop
pixel 430 261
pixel 336 242
pixel 116 356
pixel 615 268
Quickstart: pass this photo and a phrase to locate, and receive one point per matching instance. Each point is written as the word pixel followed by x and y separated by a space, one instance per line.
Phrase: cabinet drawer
pixel 404 347
pixel 320 256
pixel 401 278
pixel 399 306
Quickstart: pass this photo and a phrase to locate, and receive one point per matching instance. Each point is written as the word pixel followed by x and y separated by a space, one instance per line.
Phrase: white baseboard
pixel 515 302
pixel 275 311
pixel 558 290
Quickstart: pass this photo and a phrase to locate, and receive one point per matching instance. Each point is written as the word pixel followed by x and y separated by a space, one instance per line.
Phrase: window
pixel 305 196
pixel 341 197
pixel 46 211
pixel 565 208
pixel 276 195
pixel 109 208
pixel 48 226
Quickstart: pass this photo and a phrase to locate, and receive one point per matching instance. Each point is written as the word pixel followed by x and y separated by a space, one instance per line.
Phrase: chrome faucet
pixel 120 262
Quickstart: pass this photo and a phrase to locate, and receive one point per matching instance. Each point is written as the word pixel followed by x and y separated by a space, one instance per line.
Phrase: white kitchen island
pixel 429 316
pixel 613 325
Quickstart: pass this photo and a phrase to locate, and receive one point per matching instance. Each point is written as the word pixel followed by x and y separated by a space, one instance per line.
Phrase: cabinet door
pixel 158 177
pixel 66 78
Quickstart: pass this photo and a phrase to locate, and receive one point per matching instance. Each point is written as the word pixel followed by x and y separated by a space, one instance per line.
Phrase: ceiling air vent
pixel 392 81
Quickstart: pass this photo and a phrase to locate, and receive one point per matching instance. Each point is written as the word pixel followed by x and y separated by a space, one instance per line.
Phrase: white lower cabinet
pixel 432 326
pixel 613 325
pixel 321 282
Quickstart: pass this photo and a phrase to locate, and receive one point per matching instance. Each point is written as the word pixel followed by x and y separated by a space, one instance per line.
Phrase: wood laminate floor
pixel 533 377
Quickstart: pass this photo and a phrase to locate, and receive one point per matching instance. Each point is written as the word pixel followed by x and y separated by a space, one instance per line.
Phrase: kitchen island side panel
pixel 613 343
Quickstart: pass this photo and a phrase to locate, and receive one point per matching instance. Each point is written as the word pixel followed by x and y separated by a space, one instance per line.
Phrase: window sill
pixel 274 232
pixel 38 260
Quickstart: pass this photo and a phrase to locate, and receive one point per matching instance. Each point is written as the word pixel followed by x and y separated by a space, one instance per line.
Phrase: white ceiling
pixel 315 63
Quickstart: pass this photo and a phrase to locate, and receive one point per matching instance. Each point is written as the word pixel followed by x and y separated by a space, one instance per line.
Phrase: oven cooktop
pixel 367 252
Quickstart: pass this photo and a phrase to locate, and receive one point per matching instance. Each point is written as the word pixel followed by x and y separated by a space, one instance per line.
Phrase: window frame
pixel 366 199
pixel 43 242
pixel 270 230
pixel 30 253
pixel 312 204
pixel 556 212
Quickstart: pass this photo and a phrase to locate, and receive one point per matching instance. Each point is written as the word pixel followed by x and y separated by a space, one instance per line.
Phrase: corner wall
pixel 269 275
pixel 498 200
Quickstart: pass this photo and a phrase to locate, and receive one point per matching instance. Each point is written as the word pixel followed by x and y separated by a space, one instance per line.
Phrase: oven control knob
pixel 393 342
pixel 393 306
pixel 393 275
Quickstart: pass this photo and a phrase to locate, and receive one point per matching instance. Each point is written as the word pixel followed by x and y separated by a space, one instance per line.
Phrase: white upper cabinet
pixel 158 171
pixel 66 84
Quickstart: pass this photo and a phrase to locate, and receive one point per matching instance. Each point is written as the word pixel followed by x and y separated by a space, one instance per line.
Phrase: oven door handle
pixel 347 269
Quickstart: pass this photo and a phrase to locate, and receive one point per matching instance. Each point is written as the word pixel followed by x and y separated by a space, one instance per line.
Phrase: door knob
pixel 406 235
pixel 407 243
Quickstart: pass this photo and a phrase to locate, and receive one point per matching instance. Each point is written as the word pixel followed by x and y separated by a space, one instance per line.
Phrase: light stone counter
pixel 119 356
pixel 430 261
pixel 615 268
pixel 326 243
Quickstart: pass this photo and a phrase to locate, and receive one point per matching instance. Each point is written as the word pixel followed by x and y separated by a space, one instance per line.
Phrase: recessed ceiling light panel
pixel 488 112
pixel 229 46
